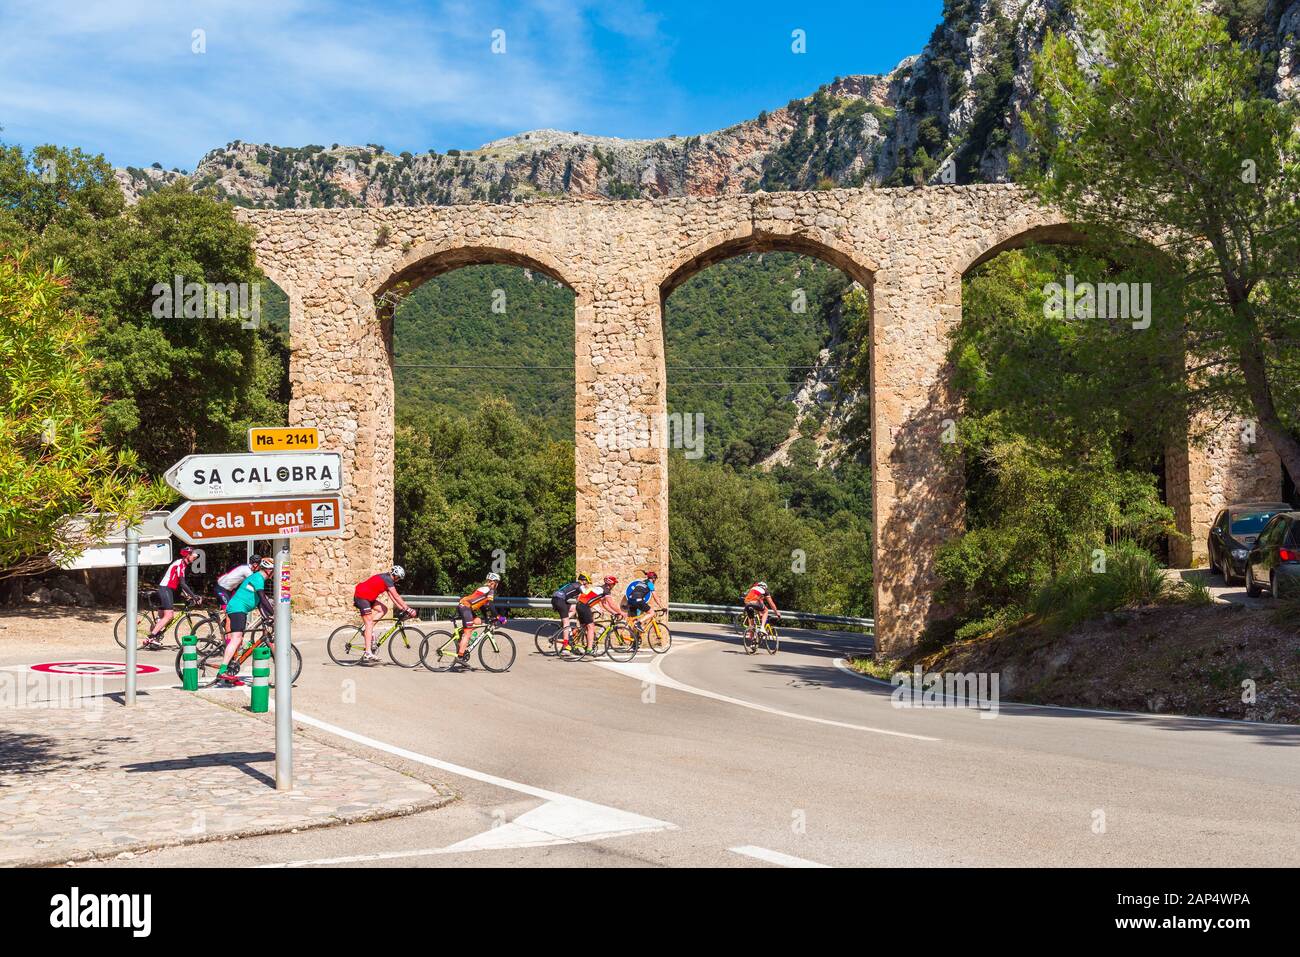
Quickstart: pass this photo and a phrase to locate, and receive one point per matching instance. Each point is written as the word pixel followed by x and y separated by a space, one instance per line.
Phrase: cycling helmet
pixel 584 578
pixel 493 577
pixel 186 552
pixel 266 563
pixel 610 581
pixel 651 576
pixel 762 585
pixel 398 573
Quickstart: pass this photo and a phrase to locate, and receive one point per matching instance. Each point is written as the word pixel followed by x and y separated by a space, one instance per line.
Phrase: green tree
pixel 1156 127
pixel 53 464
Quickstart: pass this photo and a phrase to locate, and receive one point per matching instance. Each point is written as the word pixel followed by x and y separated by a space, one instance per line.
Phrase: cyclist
pixel 366 599
pixel 470 610
pixel 594 596
pixel 563 600
pixel 250 593
pixel 758 600
pixel 640 595
pixel 231 580
pixel 173 579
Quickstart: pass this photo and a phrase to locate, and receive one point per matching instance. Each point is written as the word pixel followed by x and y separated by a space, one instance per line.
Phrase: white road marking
pixel 562 820
pixel 550 824
pixel 774 857
pixel 652 674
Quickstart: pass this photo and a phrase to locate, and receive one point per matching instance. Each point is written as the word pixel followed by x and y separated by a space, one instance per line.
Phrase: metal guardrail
pixel 449 601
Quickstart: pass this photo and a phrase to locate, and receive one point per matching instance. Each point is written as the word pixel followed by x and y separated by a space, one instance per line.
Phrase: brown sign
pixel 300 517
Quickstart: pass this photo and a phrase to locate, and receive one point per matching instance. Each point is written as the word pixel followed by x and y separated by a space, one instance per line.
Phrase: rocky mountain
pixel 960 100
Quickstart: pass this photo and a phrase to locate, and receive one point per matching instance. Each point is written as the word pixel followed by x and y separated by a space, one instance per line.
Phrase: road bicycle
pixel 577 649
pixel 263 633
pixel 147 615
pixel 757 636
pixel 548 635
pixel 348 643
pixel 654 631
pixel 496 649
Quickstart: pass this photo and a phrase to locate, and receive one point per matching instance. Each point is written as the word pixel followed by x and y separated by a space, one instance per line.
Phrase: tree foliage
pixel 1156 127
pixel 53 463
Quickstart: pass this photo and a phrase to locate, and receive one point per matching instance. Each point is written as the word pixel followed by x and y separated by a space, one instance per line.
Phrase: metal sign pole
pixel 132 609
pixel 283 675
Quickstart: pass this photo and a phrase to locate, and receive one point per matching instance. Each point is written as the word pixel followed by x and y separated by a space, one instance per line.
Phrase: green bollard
pixel 261 679
pixel 190 663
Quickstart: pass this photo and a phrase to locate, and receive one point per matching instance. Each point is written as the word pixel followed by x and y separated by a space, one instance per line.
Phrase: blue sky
pixel 121 77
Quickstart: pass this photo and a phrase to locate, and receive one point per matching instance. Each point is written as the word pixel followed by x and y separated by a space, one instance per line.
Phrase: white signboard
pixel 152 552
pixel 240 475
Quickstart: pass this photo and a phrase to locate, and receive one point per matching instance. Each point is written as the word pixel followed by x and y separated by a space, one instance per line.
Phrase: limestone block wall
pixel 910 247
pixel 1217 465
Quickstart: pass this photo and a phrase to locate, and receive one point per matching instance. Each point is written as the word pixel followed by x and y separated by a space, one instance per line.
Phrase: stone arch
pixel 277 275
pixel 428 260
pixel 727 245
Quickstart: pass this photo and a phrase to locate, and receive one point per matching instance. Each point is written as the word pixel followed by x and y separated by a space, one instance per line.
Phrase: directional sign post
pixel 282 489
pixel 200 523
pixel 248 475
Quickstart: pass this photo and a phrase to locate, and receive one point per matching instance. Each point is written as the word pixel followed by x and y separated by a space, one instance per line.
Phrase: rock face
pixel 910 246
pixel 960 99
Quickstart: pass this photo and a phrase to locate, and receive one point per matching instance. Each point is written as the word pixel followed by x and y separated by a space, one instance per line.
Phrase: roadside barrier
pixel 867 625
pixel 261 679
pixel 190 662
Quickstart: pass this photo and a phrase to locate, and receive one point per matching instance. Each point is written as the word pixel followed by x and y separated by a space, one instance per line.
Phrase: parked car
pixel 1273 565
pixel 1233 534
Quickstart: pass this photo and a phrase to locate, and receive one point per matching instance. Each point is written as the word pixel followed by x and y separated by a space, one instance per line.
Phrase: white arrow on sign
pixel 205 478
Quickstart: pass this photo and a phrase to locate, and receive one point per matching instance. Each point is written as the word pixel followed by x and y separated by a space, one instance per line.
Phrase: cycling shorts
pixel 165 598
pixel 585 615
pixel 637 607
pixel 561 605
pixel 238 620
pixel 465 614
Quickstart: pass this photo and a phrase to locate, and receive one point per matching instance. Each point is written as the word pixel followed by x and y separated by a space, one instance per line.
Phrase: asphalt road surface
pixel 708 756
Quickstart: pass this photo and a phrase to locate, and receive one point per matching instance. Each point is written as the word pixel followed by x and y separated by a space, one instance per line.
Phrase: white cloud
pixel 121 76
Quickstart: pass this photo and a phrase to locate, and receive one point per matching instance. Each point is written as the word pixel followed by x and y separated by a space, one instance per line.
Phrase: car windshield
pixel 1250 523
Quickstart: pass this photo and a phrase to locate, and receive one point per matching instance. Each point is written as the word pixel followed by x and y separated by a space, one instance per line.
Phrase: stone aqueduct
pixel 909 247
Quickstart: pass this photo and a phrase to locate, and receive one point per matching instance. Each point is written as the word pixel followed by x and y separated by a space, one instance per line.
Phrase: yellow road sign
pixel 300 439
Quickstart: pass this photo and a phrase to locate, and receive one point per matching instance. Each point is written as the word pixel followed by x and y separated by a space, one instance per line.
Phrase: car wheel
pixel 1228 577
pixel 1252 590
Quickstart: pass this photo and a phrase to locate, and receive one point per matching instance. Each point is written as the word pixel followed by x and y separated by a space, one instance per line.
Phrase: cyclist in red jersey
pixel 469 610
pixel 172 580
pixel 758 600
pixel 592 597
pixel 366 599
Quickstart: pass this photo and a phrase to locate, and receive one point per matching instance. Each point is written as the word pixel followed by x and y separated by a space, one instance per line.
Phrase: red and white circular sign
pixel 108 669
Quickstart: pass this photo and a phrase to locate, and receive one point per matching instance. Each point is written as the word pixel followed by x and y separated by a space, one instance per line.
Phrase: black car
pixel 1233 534
pixel 1273 565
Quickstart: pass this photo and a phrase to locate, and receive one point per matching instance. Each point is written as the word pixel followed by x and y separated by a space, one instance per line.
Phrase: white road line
pixel 551 824
pixel 562 820
pixel 774 857
pixel 652 674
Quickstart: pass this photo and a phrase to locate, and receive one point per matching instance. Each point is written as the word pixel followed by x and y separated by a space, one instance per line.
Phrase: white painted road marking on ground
pixel 550 824
pixel 652 674
pixel 562 820
pixel 774 857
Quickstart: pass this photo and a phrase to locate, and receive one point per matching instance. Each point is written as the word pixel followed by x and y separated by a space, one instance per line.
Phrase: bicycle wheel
pixel 209 637
pixel 658 637
pixel 346 645
pixel 295 664
pixel 546 637
pixel 496 652
pixel 770 640
pixel 437 650
pixel 750 641
pixel 576 648
pixel 188 624
pixel 144 622
pixel 620 643
pixel 404 646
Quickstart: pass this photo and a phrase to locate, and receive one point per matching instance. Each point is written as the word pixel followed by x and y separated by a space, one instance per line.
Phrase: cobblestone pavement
pixel 97 779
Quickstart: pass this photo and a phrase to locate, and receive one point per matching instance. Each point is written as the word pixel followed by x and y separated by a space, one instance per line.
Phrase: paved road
pixel 1222 592
pixel 711 757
